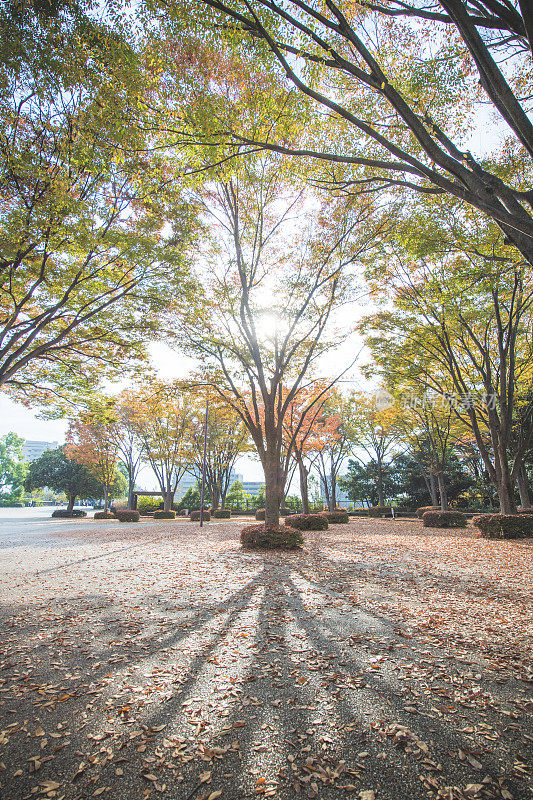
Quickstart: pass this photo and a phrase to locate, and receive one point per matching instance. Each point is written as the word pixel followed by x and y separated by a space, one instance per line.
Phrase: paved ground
pixel 383 661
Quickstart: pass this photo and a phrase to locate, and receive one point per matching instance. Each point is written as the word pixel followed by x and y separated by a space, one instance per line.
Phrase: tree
pixel 361 484
pixel 227 439
pixel 83 204
pixel 338 415
pixel 161 416
pixel 128 443
pixel 412 487
pixel 12 467
pixel 265 316
pixel 460 329
pixel 306 437
pixel 376 430
pixel 384 103
pixel 61 474
pixel 191 499
pixel 92 442
pixel 237 499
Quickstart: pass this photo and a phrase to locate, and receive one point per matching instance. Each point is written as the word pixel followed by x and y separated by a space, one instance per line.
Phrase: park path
pixel 159 660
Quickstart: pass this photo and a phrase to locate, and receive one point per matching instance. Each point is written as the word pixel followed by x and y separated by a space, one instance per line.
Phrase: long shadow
pixel 271 673
pixel 377 690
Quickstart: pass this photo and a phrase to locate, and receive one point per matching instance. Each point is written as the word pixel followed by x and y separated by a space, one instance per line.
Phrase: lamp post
pixel 204 465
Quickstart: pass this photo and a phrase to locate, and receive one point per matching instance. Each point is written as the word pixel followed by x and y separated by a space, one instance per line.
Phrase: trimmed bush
pixel 260 514
pixel 380 511
pixel 422 510
pixel 104 515
pixel 127 515
pixel 62 513
pixel 286 512
pixel 164 514
pixel 194 516
pixel 504 526
pixel 271 537
pixel 358 512
pixel 444 519
pixel 222 513
pixel 307 522
pixel 524 510
pixel 336 517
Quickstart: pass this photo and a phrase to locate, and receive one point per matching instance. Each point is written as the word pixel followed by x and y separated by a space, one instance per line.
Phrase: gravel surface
pixel 383 661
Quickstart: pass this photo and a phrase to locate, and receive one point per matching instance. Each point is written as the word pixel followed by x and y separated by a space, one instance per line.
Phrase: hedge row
pixel 62 513
pixel 221 513
pixel 195 516
pixel 271 537
pixel 422 510
pixel 444 519
pixel 307 522
pixel 336 517
pixel 104 515
pixel 126 515
pixel 380 511
pixel 504 526
pixel 164 514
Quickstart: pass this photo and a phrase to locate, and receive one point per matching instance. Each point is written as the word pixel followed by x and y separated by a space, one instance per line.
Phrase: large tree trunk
pixel 304 488
pixel 215 494
pixel 167 499
pixel 106 498
pixel 523 487
pixel 273 489
pixel 379 484
pixel 131 487
pixel 433 491
pixel 505 486
pixel 333 488
pixel 326 490
pixel 443 494
pixel 71 501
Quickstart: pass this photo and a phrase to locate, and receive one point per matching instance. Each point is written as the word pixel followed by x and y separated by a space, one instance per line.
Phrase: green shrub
pixel 260 514
pixel 422 510
pixel 222 513
pixel 380 511
pixel 285 512
pixel 359 512
pixel 335 517
pixel 127 515
pixel 444 519
pixel 307 522
pixel 195 516
pixel 104 515
pixel 271 537
pixel 161 514
pixel 62 513
pixel 147 505
pixel 504 526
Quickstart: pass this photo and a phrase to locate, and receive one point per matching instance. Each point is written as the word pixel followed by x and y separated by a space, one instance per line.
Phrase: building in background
pixel 33 449
pixel 252 487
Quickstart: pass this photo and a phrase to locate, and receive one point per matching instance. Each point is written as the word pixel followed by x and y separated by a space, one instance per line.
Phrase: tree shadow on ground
pixel 267 685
